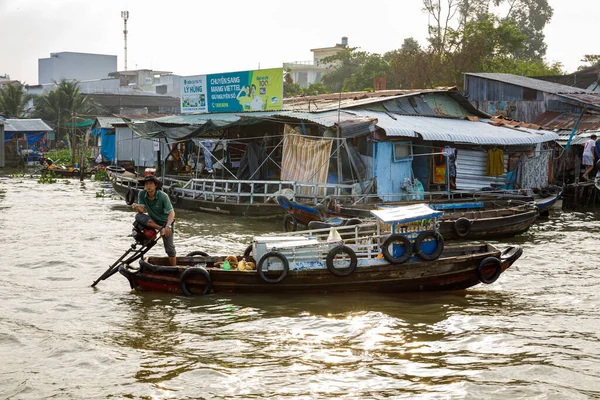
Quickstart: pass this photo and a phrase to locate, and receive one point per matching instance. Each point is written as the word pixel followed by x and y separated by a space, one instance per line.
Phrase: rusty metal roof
pixel 591 99
pixel 566 121
pixel 537 84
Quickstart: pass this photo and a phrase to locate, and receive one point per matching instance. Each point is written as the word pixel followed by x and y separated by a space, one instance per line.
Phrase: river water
pixel 534 333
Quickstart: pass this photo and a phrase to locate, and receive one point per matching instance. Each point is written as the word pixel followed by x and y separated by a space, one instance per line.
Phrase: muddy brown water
pixel 535 333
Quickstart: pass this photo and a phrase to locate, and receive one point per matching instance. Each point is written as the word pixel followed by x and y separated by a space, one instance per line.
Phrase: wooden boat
pixel 66 172
pixel 546 199
pixel 350 258
pixel 461 220
pixel 469 224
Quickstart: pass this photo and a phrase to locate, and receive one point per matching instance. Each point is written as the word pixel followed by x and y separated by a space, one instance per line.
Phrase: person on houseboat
pixel 160 212
pixel 588 156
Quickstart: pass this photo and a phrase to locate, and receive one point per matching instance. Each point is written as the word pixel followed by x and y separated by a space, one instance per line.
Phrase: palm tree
pixel 63 107
pixel 14 100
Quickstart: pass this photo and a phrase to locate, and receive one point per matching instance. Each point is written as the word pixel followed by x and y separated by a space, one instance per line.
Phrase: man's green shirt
pixel 159 208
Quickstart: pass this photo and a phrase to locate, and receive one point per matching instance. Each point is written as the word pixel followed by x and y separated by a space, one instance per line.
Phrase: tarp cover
pixel 406 214
pixel 32 137
pixel 304 160
pixel 210 129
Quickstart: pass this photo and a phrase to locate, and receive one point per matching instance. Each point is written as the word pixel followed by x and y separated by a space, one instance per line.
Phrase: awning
pixel 406 214
pixel 454 130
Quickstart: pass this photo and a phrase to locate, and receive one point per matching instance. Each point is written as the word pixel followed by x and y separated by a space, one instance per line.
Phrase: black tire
pixel 248 251
pixel 323 211
pixel 438 250
pixel 131 196
pixel 173 195
pixel 385 248
pixel 318 225
pixel 285 202
pixel 197 253
pixel 511 254
pixel 338 250
pixel 290 223
pixel 495 262
pixel 261 263
pixel 462 227
pixel 191 271
pixel 115 169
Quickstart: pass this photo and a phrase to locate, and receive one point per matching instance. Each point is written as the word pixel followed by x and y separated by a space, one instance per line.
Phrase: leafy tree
pixel 343 64
pixel 14 100
pixel 530 16
pixel 373 66
pixel 63 107
pixel 314 89
pixel 590 59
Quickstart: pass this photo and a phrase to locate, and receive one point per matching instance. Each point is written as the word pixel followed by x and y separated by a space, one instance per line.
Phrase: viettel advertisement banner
pixel 259 90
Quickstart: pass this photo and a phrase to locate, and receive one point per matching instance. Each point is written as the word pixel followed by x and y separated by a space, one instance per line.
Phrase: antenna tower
pixel 125 16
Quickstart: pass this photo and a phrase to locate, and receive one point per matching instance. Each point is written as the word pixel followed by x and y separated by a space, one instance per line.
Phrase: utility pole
pixel 125 16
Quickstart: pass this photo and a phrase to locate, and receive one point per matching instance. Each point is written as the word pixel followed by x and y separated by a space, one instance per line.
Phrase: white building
pixel 305 73
pixel 75 66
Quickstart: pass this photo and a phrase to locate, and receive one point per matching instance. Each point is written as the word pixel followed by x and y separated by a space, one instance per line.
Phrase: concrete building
pixel 305 73
pixel 75 66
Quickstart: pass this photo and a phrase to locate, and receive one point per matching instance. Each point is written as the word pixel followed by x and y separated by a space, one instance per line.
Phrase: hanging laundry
pixel 495 162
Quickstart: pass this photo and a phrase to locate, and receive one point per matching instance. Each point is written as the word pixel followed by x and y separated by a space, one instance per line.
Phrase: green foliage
pixel 590 59
pixel 64 106
pixel 343 65
pixel 14 100
pixel 102 194
pixel 100 175
pixel 294 89
pixel 47 177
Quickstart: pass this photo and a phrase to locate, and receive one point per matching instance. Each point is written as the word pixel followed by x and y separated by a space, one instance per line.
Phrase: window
pixel 403 151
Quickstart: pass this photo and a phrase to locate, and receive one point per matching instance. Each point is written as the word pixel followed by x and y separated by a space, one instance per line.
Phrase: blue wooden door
pixel 391 168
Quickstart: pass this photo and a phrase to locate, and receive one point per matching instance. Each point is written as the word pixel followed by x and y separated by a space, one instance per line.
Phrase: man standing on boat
pixel 160 212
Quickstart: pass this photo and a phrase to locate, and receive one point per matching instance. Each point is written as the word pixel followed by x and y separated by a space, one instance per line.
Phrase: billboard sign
pixel 193 94
pixel 244 91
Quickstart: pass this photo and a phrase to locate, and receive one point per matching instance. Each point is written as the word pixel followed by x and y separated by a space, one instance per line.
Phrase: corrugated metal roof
pixel 26 125
pixel 566 121
pixel 592 98
pixel 579 138
pixel 107 122
pixel 456 130
pixel 537 84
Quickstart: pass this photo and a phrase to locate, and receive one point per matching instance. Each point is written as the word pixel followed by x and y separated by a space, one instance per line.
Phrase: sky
pixel 203 37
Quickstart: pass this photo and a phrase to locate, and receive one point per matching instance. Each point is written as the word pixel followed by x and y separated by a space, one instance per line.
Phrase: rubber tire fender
pixel 439 249
pixel 285 203
pixel 290 219
pixel 197 253
pixel 396 237
pixel 497 271
pixel 334 252
pixel 173 195
pixel 263 259
pixel 131 196
pixel 191 271
pixel 322 211
pixel 462 227
pixel 511 254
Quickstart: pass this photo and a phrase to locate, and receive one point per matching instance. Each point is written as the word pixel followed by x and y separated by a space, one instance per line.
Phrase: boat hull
pixel 123 186
pixel 457 269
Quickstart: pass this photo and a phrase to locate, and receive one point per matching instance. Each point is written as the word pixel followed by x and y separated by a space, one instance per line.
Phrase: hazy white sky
pixel 199 37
